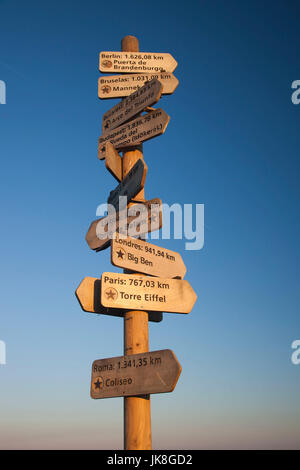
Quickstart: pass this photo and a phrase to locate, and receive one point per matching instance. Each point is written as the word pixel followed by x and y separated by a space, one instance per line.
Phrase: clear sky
pixel 232 144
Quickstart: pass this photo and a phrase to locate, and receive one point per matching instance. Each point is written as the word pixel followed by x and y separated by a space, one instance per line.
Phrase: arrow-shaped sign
pixel 113 161
pixel 88 294
pixel 134 132
pixel 137 374
pixel 135 292
pixel 130 185
pixel 147 95
pixel 133 221
pixel 142 257
pixel 118 86
pixel 141 62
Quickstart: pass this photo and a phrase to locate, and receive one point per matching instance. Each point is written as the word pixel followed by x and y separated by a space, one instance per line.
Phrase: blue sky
pixel 231 144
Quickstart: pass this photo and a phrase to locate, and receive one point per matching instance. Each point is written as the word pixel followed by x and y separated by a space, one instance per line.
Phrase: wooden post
pixel 137 410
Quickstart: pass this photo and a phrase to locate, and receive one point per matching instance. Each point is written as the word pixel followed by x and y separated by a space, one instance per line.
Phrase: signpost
pixel 147 95
pixel 88 294
pixel 145 62
pixel 152 281
pixel 137 292
pixel 140 256
pixel 130 185
pixel 138 219
pixel 134 132
pixel 137 374
pixel 118 86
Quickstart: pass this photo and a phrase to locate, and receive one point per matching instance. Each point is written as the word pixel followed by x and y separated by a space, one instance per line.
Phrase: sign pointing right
pixel 137 374
pixel 145 62
pixel 135 292
pixel 142 257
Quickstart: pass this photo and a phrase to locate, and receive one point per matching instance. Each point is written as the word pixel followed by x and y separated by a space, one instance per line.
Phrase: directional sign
pixel 88 294
pixel 130 185
pixel 113 161
pixel 134 132
pixel 147 95
pixel 136 292
pixel 142 257
pixel 118 86
pixel 133 221
pixel 141 62
pixel 137 374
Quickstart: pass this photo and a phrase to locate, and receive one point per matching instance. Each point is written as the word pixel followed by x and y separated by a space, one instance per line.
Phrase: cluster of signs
pixel 159 286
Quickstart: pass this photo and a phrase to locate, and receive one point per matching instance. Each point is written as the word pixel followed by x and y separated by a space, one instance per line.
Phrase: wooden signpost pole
pixel 137 410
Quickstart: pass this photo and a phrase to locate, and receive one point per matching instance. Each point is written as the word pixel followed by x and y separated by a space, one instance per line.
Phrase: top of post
pixel 130 44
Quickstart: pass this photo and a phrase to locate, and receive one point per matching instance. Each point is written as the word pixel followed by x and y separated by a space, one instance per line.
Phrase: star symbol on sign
pixel 120 253
pixel 106 89
pixel 107 63
pixel 99 383
pixel 111 294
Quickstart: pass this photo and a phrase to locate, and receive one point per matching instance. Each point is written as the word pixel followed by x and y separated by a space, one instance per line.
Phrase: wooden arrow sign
pixel 137 374
pixel 88 294
pixel 134 132
pixel 133 221
pixel 135 292
pixel 130 185
pixel 147 95
pixel 118 86
pixel 113 161
pixel 142 257
pixel 140 62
